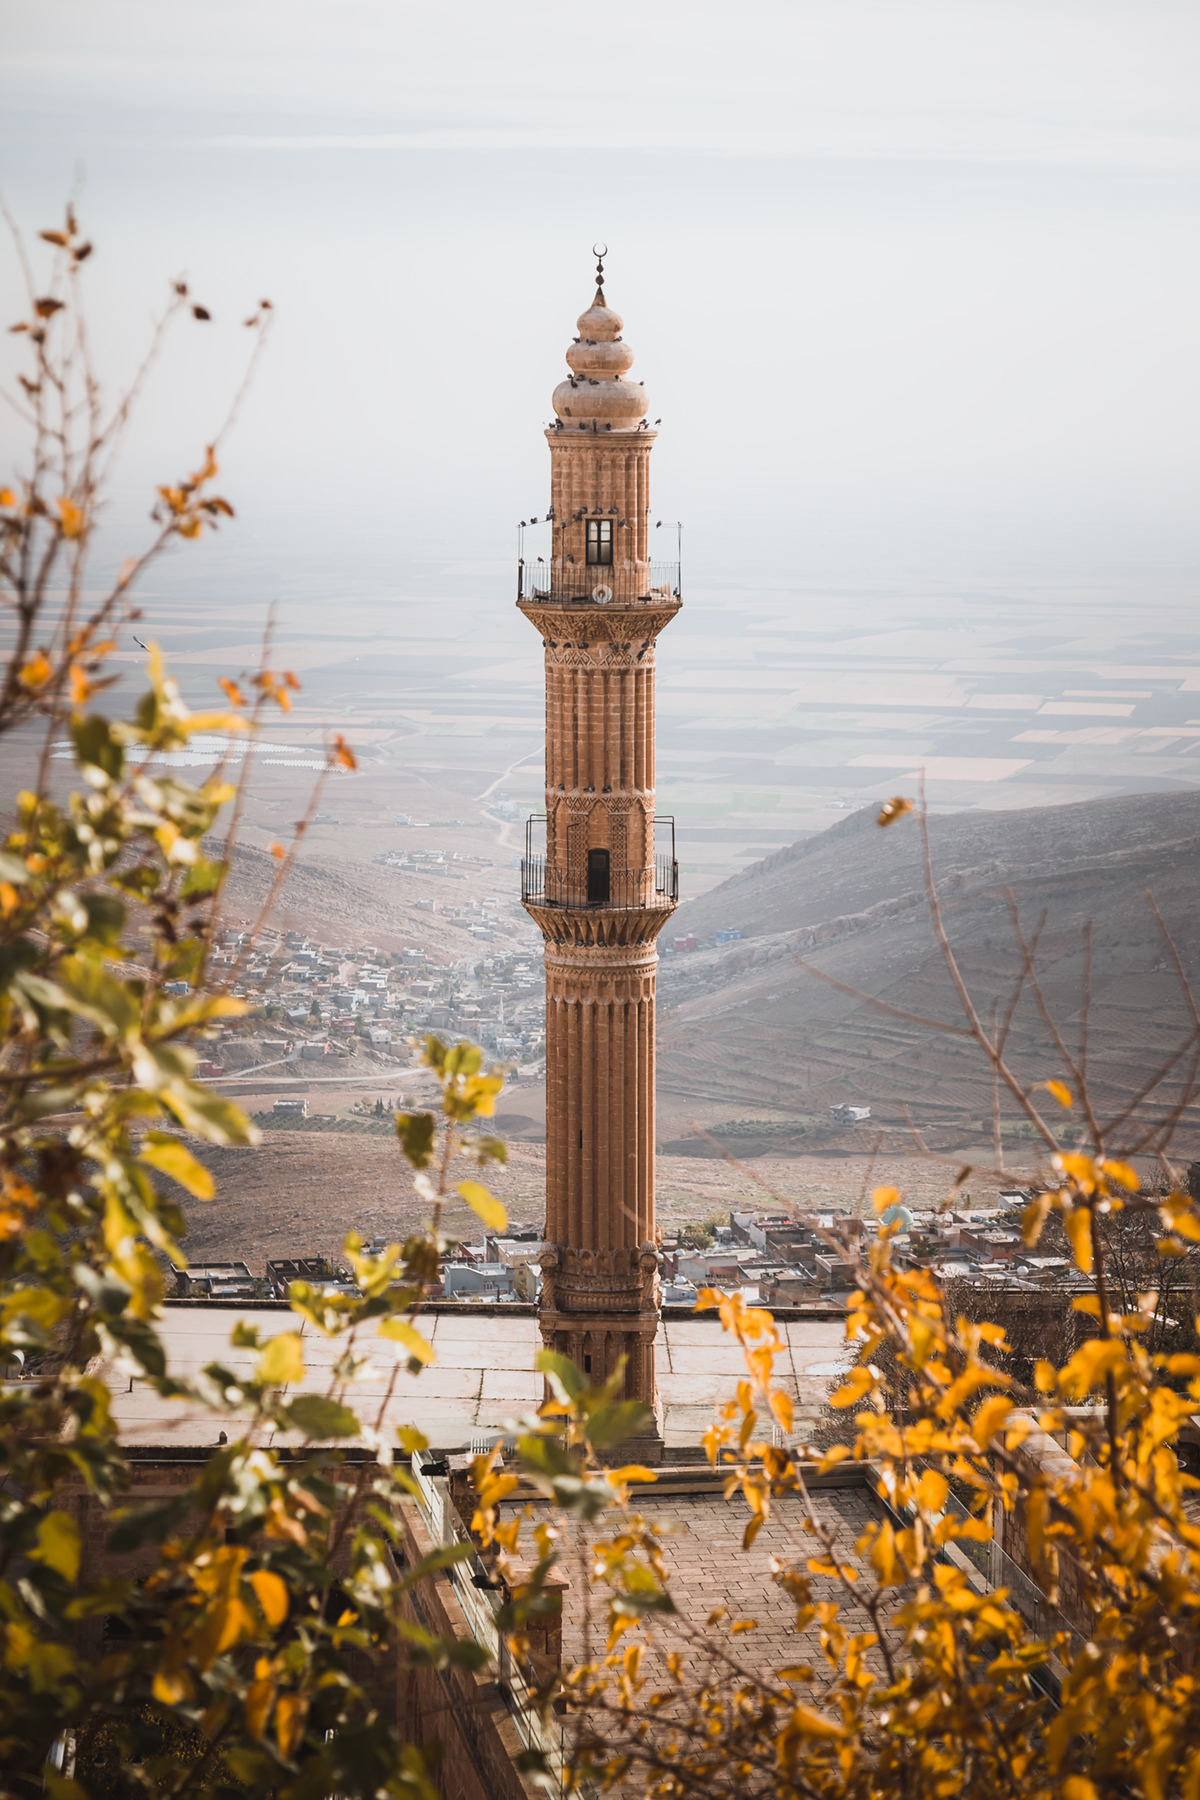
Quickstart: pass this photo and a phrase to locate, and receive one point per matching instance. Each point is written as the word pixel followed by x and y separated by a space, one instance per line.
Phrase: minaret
pixel 602 892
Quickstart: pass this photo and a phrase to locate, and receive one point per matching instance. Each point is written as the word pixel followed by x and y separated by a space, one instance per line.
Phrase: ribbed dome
pixel 598 361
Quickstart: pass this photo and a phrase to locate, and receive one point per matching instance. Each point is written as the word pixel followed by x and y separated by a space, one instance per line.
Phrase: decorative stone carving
pixel 604 1281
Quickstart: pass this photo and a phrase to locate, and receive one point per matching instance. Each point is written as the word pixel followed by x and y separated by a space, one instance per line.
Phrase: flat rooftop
pixel 483 1374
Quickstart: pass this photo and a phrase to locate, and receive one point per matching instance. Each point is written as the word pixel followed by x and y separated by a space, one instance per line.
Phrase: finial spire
pixel 599 251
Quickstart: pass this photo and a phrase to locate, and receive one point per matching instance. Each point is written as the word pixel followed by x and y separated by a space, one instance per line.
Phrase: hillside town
pixel 331 1000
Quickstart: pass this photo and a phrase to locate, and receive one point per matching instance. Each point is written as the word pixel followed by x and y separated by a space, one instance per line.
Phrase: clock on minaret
pixel 608 880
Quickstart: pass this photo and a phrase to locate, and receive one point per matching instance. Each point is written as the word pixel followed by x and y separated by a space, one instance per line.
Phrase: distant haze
pixel 912 285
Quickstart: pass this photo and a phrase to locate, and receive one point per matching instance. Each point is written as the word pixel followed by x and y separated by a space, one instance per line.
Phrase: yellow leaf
pixel 883 1554
pixel 71 518
pixel 256 1707
pixel 932 1490
pixel 950 1529
pixel 784 1412
pixel 216 721
pixel 893 809
pixel 1185 1222
pixel 990 1419
pixel 1081 1169
pixel 342 753
pixel 1034 1218
pixel 632 1472
pixel 1045 1377
pixel 1078 1787
pixel 171 1689
pixel 484 1205
pixel 408 1335
pixel 858 1382
pixel 289 1721
pixel 1122 1172
pixel 37 672
pixel 1061 1093
pixel 883 1197
pixel 59 1545
pixel 272 1595
pixel 170 1157
pixel 1078 1226
pixel 282 1361
pixel 809 1723
pixel 1086 1303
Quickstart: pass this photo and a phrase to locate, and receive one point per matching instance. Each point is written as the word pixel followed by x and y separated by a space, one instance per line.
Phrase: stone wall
pixel 460 1719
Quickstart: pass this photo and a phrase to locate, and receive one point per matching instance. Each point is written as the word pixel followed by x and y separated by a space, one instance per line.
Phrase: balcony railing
pixel 618 890
pixel 594 584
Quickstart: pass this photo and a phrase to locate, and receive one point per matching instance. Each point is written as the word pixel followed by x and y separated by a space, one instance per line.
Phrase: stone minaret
pixel 600 895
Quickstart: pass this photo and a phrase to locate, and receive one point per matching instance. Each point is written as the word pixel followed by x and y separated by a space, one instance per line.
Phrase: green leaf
pixel 142 1342
pixel 485 1206
pixel 170 1157
pixel 59 1545
pixel 202 878
pixel 98 751
pixel 613 1424
pixel 283 1360
pixel 113 1005
pixel 21 954
pixel 318 1417
pixel 417 1132
pixel 109 1295
pixel 568 1380
pixel 545 1457
pixel 446 1556
pixel 106 917
pixel 200 1110
pixel 463 1059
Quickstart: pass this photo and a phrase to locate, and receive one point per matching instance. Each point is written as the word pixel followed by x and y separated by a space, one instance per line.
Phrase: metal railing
pixel 622 890
pixel 547 883
pixel 998 1570
pixel 474 1591
pixel 561 583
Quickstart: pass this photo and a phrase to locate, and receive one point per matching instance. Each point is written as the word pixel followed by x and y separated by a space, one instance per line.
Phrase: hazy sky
pixel 913 284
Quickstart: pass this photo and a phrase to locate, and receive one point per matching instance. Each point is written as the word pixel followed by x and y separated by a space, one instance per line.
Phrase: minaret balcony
pixel 598 887
pixel 562 583
pixel 619 890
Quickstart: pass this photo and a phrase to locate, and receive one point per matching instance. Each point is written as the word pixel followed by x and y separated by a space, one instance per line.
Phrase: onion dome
pixel 596 388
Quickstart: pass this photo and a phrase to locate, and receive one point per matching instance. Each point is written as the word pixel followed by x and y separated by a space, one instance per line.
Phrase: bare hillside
pixel 746 1032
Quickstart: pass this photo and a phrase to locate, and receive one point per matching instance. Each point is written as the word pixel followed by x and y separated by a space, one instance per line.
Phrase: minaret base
pixel 599 1307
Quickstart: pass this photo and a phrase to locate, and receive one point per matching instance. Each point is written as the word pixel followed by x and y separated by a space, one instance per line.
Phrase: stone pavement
pixel 702 1548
